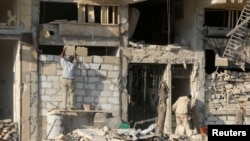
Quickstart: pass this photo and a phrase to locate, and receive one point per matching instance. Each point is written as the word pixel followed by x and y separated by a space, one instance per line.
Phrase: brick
pixel 116 67
pixel 101 73
pixel 229 86
pixel 45 85
pixel 82 51
pixel 94 66
pixel 49 69
pixel 91 73
pixel 57 58
pixel 221 61
pixel 79 85
pixel 42 57
pixel 246 89
pixel 90 86
pixel 50 91
pixel 111 60
pixel 70 50
pixel 94 79
pixel 95 93
pixel 88 59
pixel 88 99
pixel 53 78
pixel 113 100
pixel 97 59
pixel 113 74
pixel 107 67
pixel 50 58
pixel 79 99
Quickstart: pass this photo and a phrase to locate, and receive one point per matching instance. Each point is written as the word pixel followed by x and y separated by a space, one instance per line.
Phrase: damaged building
pixel 125 49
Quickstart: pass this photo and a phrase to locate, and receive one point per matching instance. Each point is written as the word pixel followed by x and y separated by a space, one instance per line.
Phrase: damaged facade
pixel 125 49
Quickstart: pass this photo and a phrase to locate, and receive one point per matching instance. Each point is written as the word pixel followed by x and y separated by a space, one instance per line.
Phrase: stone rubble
pixel 8 130
pixel 130 134
pixel 224 90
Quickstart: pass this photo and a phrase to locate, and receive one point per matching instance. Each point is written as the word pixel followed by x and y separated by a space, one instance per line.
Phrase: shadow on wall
pixel 198 114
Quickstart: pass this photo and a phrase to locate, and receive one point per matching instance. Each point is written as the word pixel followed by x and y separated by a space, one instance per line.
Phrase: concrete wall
pixel 96 81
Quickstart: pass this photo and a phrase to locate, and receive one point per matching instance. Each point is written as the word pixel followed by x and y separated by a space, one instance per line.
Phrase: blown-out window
pixel 224 18
pixel 8 13
pixel 104 14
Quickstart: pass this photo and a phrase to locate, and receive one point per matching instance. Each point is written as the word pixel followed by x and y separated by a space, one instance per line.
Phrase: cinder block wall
pixel 223 92
pixel 96 81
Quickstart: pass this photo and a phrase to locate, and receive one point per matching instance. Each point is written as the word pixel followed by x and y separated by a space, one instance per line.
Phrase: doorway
pixel 181 85
pixel 143 84
pixel 9 76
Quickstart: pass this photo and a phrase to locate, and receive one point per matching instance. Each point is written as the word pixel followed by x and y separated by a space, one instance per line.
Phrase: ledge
pixel 83 111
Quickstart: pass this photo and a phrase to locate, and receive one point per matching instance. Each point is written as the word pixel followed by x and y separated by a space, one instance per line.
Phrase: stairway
pixel 238 36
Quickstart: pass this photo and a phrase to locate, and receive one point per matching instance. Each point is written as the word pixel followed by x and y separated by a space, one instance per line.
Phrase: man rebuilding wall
pixel 182 109
pixel 69 68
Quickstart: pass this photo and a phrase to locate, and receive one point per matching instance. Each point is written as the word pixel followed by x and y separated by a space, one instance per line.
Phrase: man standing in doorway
pixel 182 109
pixel 69 68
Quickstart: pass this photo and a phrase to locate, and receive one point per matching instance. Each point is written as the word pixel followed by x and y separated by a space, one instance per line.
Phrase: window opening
pixel 8 13
pixel 154 26
pixel 51 11
pixel 97 11
pixel 224 18
pixel 143 84
pixel 100 51
pixel 105 14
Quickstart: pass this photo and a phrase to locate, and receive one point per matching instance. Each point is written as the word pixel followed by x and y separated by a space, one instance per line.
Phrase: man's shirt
pixel 182 105
pixel 69 69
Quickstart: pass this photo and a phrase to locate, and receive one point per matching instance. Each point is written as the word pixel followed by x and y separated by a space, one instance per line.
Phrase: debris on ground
pixel 130 134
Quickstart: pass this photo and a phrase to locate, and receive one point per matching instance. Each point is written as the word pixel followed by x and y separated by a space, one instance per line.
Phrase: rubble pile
pixel 130 134
pixel 224 90
pixel 104 134
pixel 8 130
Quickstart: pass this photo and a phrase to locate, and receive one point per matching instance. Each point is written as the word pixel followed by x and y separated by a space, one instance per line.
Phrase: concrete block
pixel 107 67
pixel 42 57
pixel 82 51
pixel 97 59
pixel 221 61
pixel 246 90
pixel 229 86
pixel 79 85
pixel 101 73
pixel 236 91
pixel 116 67
pixel 87 59
pixel 247 86
pixel 70 50
pixel 111 60
pixel 94 66
pixel 94 79
pixel 49 69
